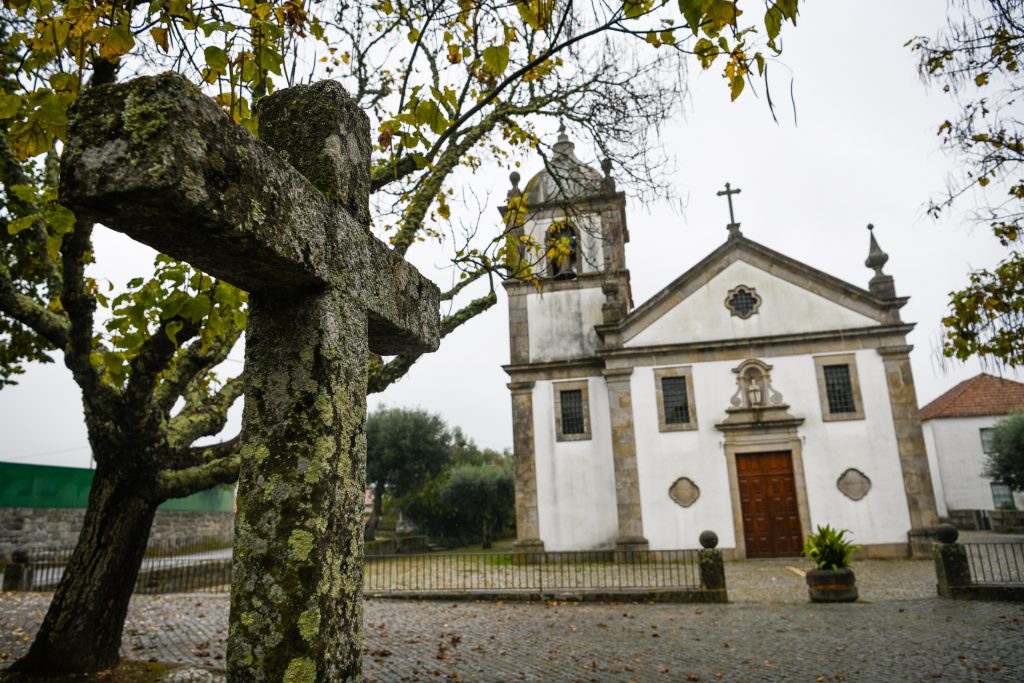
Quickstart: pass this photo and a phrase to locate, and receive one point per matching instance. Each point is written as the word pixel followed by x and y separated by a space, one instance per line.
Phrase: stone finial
pixel 609 181
pixel 881 285
pixel 515 191
pixel 564 145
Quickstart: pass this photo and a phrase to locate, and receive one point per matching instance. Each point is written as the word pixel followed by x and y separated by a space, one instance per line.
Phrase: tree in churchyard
pixel 482 495
pixel 404 449
pixel 977 58
pixel 450 85
pixel 1005 463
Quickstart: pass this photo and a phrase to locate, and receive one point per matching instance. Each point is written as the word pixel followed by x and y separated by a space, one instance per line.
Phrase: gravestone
pixel 286 219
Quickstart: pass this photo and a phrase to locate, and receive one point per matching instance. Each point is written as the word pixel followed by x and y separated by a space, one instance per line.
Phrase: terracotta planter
pixel 825 585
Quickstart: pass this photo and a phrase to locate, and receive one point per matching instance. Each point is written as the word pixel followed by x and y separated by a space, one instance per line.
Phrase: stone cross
pixel 287 219
pixel 728 192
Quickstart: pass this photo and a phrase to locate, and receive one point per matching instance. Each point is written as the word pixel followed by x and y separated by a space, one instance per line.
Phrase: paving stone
pixel 900 632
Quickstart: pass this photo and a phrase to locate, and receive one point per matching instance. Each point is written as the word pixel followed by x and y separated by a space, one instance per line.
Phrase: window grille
pixel 677 404
pixel 839 389
pixel 1002 497
pixel 743 302
pixel 572 411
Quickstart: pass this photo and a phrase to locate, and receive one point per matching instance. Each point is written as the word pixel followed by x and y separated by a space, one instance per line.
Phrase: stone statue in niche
pixel 754 386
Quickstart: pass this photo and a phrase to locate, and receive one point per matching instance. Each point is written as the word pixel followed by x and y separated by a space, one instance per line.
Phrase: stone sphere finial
pixel 946 533
pixel 514 177
pixel 708 539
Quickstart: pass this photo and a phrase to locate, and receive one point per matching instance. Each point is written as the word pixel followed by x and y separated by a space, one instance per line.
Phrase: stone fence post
pixel 712 569
pixel 952 570
pixel 18 572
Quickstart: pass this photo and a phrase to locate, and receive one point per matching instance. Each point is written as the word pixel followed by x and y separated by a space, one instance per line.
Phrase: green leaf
pixel 60 218
pixel 116 41
pixel 23 223
pixel 706 52
pixel 172 330
pixel 23 192
pixel 427 112
pixel 773 21
pixel 9 105
pixel 496 58
pixel 693 12
pixel 216 58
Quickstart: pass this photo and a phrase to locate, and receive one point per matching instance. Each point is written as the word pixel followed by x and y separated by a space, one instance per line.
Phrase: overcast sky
pixel 862 150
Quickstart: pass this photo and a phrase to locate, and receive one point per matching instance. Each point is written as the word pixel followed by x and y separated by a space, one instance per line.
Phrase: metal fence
pixel 533 573
pixel 205 565
pixel 174 566
pixel 995 563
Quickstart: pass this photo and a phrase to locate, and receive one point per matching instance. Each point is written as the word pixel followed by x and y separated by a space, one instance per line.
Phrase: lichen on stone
pixel 309 624
pixel 300 545
pixel 300 670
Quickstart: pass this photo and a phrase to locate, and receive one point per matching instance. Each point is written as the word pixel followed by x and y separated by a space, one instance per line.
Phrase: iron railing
pixel 533 573
pixel 206 566
pixel 996 563
pixel 174 566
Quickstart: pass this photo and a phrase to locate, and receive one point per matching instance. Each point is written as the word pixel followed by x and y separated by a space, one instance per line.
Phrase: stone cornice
pixel 764 345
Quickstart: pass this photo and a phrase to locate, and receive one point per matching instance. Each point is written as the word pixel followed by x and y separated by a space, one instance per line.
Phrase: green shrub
pixel 829 548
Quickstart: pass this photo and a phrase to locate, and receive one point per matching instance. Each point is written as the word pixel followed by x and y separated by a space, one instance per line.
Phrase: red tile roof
pixel 981 395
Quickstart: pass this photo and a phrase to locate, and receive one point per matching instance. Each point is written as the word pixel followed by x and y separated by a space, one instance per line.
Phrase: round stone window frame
pixel 750 291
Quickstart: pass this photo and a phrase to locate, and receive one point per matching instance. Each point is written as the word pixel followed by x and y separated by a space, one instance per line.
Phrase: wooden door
pixel 771 519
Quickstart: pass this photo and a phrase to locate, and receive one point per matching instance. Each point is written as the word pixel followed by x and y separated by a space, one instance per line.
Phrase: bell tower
pixel 567 233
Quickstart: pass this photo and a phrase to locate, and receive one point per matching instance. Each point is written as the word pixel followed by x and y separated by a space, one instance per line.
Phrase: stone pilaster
pixel 627 481
pixel 917 480
pixel 527 518
pixel 518 326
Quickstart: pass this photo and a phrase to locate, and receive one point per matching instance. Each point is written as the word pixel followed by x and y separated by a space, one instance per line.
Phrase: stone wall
pixel 33 528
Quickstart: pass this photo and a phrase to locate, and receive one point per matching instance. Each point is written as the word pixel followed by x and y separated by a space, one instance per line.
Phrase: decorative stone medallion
pixel 684 492
pixel 743 301
pixel 854 484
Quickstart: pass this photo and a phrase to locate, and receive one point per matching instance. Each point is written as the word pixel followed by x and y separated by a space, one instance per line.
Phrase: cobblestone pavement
pixel 899 632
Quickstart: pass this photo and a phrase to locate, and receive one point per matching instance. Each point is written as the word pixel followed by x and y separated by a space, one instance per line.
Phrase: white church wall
pixel 933 468
pixel 828 449
pixel 785 309
pixel 562 323
pixel 575 479
pixel 664 457
pixel 956 443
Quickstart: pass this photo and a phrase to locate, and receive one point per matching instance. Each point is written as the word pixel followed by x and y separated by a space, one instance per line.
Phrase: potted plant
pixel 831 580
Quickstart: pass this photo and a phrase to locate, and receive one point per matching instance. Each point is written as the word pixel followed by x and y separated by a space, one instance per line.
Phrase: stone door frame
pixel 756 441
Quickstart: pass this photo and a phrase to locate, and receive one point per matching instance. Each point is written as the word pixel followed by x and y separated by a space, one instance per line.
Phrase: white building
pixel 957 432
pixel 753 396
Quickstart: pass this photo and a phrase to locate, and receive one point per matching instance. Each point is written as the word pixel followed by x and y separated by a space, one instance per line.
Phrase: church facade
pixel 754 396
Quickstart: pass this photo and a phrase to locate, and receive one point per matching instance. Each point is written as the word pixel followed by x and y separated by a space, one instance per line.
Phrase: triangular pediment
pixel 790 298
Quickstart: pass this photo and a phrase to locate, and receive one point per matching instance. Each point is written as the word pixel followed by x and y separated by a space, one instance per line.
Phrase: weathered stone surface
pixel 917 481
pixel 684 492
pixel 37 528
pixel 853 484
pixel 527 517
pixel 159 161
pixel 627 480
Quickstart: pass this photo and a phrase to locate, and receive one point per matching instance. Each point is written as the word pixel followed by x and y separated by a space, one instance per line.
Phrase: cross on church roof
pixel 728 192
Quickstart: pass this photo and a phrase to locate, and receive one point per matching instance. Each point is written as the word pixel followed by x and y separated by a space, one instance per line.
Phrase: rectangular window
pixel 838 387
pixel 572 410
pixel 677 405
pixel 1002 497
pixel 986 440
pixel 676 408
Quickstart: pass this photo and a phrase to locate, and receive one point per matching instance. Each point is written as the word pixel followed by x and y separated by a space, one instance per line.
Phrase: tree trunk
pixel 487 534
pixel 82 629
pixel 370 533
